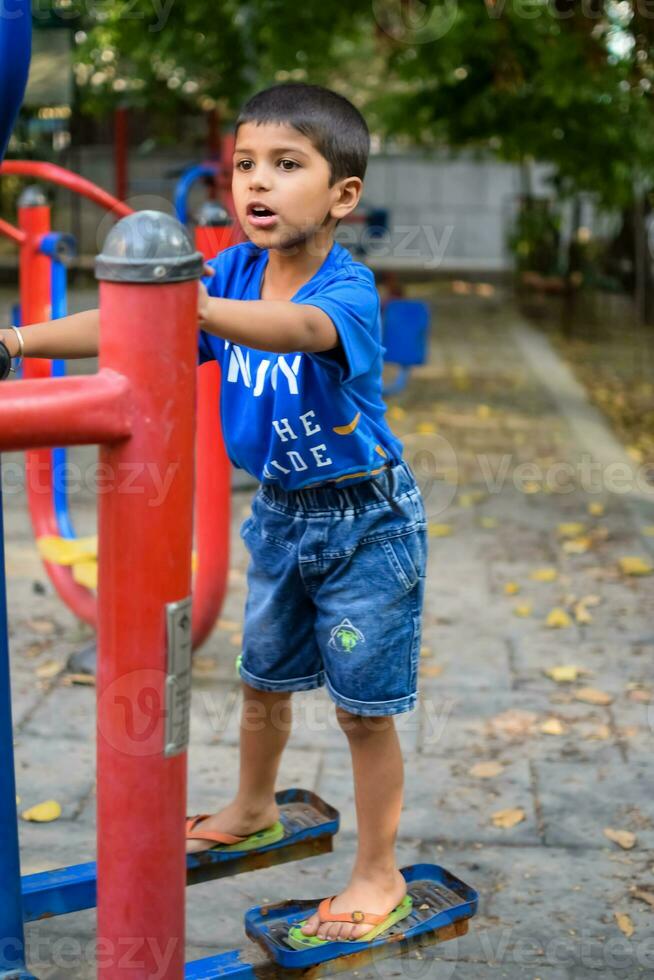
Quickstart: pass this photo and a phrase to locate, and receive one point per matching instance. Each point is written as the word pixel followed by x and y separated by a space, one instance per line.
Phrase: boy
pixel 337 534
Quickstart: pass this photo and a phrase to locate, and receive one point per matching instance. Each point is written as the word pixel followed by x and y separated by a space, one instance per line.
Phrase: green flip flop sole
pixel 297 940
pixel 270 835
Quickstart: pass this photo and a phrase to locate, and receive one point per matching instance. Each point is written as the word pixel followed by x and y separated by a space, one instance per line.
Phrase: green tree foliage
pixel 565 81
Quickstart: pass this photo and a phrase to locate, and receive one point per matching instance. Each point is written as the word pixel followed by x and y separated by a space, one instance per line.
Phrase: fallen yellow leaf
pixel 624 923
pixel 431 670
pixel 641 695
pixel 483 411
pixel 595 508
pixel 396 412
pixel 633 565
pixel 571 530
pixel 439 530
pixel 236 639
pixel 599 734
pixel 553 726
pixel 564 673
pixel 522 609
pixel 488 522
pixel 48 669
pixel 557 618
pixel 643 896
pixel 508 818
pixel 511 588
pixel 425 651
pixel 544 575
pixel 577 546
pixel 425 428
pixel 530 486
pixel 624 838
pixel 582 615
pixel 42 812
pixel 590 695
pixel 486 770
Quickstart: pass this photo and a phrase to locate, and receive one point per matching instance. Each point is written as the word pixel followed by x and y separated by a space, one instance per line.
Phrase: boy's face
pixel 281 187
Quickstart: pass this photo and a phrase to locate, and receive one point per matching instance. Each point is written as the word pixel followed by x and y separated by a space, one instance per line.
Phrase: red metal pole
pixel 213 503
pixel 34 222
pixel 65 178
pixel 65 411
pixel 148 332
pixel 121 139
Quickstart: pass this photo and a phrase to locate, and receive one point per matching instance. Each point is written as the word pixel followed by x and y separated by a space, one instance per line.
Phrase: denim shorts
pixel 335 591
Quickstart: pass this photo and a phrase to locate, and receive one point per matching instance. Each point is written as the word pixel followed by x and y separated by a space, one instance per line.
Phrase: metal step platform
pixel 309 823
pixel 442 908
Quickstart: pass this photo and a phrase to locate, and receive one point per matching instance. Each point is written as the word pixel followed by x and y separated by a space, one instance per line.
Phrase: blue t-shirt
pixel 300 419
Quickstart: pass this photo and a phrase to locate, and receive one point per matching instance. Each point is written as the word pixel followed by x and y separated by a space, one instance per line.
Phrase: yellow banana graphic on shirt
pixel 345 430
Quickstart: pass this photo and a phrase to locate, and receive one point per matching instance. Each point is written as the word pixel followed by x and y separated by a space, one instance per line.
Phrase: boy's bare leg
pixel 265 727
pixel 376 884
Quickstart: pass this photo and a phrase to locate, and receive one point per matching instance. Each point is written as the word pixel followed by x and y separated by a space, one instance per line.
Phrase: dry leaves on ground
pixel 624 838
pixel 624 923
pixel 513 723
pixel 633 565
pixel 43 812
pixel 591 695
pixel 553 726
pixel 486 770
pixel 565 673
pixel 558 618
pixel 508 818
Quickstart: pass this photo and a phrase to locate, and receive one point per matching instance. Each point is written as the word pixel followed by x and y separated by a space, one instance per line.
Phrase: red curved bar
pixel 76 411
pixel 65 178
pixel 15 234
pixel 212 504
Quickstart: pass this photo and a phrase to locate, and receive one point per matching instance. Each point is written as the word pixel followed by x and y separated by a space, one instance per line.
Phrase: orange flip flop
pixel 232 842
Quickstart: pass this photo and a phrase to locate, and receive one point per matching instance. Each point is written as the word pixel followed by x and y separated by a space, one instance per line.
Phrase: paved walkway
pixel 497 432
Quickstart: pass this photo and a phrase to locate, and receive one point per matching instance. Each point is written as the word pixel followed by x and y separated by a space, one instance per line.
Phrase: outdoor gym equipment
pixel 141 406
pixel 145 387
pixel 71 562
pixel 405 332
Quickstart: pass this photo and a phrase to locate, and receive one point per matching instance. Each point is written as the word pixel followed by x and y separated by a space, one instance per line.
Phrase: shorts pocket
pixel 406 555
pixel 245 526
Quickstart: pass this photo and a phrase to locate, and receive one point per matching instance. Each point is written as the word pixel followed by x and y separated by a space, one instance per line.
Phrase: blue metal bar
pixel 56 246
pixel 12 939
pixel 399 383
pixel 229 965
pixel 15 52
pixel 184 185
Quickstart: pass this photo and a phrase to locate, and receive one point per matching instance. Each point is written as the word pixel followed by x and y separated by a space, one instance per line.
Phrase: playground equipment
pixel 71 562
pixel 405 333
pixel 145 386
pixel 141 406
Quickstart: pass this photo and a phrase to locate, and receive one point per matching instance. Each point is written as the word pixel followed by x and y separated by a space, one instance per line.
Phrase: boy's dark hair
pixel 335 127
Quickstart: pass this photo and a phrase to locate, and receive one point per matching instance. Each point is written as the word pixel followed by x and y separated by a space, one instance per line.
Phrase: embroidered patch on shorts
pixel 345 636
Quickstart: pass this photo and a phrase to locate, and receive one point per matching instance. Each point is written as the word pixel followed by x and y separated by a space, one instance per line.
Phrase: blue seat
pixel 405 335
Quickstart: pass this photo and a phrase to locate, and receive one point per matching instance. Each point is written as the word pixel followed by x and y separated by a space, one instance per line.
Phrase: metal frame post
pixel 148 334
pixel 12 939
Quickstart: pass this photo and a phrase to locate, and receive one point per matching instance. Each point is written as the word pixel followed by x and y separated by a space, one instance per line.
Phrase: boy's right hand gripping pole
pixel 148 332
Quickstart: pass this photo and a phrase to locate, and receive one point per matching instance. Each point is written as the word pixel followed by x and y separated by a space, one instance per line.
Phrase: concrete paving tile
pixel 578 802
